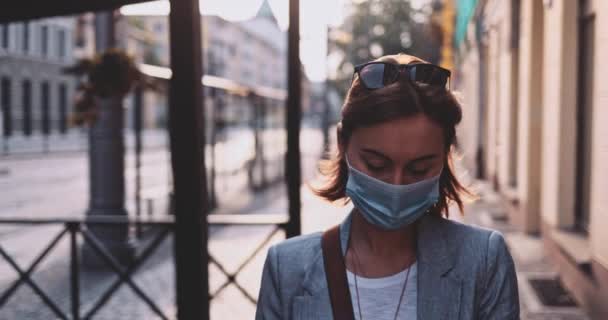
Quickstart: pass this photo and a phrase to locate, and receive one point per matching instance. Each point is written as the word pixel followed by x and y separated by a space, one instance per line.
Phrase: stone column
pixel 107 165
pixel 107 181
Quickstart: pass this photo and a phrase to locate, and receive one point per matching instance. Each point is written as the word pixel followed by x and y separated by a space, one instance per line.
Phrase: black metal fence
pixel 73 227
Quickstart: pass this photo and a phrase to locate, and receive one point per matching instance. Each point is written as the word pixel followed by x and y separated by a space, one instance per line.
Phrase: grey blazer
pixel 464 272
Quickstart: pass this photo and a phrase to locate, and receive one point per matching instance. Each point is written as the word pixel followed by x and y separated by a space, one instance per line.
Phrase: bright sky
pixel 315 17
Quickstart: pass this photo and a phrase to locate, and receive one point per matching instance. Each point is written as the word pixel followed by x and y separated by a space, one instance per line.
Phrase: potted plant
pixel 111 74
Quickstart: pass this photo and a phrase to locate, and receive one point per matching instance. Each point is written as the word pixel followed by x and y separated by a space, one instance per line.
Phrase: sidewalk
pixel 75 140
pixel 530 260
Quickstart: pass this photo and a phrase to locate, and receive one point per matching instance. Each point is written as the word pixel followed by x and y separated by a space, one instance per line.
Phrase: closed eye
pixel 421 165
pixel 420 172
pixel 374 160
pixel 374 167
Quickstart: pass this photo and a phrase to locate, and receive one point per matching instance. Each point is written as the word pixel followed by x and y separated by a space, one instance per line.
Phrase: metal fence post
pixel 262 128
pixel 215 100
pixel 5 148
pixel 294 113
pixel 74 270
pixel 186 123
pixel 137 126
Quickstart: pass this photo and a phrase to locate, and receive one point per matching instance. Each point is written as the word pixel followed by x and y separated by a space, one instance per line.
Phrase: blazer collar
pixel 432 248
pixel 438 290
pixel 434 254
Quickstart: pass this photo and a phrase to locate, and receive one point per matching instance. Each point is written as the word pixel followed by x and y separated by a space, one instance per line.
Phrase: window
pixel 26 98
pixel 5 100
pixel 246 74
pixel 26 37
pixel 214 67
pixel 44 40
pixel 80 30
pixel 584 121
pixel 63 108
pixel 5 36
pixel 45 104
pixel 61 43
pixel 159 27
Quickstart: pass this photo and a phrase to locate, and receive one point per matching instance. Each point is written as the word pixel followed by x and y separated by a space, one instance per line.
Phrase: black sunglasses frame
pixel 399 68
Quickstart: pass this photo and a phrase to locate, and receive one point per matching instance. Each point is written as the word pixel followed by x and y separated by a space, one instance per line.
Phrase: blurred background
pixel 87 203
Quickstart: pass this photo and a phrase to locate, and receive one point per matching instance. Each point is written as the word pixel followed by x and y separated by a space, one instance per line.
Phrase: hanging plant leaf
pixel 112 73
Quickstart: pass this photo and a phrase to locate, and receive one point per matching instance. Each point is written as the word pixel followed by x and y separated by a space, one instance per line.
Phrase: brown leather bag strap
pixel 335 271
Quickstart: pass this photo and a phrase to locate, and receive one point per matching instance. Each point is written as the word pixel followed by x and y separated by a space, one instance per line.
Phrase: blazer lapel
pixel 314 303
pixel 439 290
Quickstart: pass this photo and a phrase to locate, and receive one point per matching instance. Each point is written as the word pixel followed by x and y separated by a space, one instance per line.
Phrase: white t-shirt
pixel 379 296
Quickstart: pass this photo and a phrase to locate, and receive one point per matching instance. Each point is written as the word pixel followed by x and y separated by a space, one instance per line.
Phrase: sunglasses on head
pixel 376 74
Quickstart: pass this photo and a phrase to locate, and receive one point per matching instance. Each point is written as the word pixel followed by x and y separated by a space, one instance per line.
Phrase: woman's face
pixel 401 151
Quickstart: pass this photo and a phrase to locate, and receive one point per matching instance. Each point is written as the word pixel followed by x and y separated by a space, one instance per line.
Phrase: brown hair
pixel 363 108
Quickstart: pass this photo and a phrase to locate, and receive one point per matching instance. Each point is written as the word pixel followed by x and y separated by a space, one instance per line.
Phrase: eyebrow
pixel 376 153
pixel 425 157
pixel 381 155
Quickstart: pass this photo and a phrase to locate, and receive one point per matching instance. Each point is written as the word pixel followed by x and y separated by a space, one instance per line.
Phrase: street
pixel 55 185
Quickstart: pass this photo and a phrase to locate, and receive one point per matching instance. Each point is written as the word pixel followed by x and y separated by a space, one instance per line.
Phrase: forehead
pixel 400 59
pixel 402 139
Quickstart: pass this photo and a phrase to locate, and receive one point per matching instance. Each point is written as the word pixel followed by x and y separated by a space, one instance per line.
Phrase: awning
pixel 11 11
pixel 464 11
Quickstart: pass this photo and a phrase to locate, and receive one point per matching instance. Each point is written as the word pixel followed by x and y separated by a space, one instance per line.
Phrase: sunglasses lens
pixel 377 75
pixel 429 74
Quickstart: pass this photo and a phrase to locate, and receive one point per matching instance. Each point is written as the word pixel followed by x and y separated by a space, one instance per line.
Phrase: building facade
pixel 531 76
pixel 251 53
pixel 35 95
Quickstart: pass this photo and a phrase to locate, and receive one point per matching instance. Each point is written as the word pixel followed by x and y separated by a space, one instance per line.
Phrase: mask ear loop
pixel 346 160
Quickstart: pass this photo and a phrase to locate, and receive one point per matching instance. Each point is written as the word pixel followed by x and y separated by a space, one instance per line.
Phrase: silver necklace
pixel 407 275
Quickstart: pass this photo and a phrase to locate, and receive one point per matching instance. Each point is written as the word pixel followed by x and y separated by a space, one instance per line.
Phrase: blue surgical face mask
pixel 390 206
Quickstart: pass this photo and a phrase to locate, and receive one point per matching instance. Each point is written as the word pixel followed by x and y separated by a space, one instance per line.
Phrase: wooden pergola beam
pixel 22 10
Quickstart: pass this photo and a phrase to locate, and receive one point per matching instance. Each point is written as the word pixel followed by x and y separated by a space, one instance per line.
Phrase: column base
pixel 116 240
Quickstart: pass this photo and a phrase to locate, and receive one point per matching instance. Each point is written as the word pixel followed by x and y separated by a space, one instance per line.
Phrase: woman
pixel 396 256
